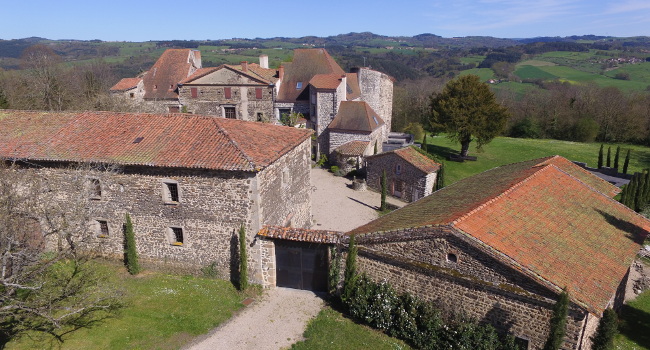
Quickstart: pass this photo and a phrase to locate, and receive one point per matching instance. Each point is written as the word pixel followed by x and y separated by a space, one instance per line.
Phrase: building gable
pixel 223 75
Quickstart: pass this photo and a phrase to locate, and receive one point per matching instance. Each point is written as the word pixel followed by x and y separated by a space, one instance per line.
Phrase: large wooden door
pixel 301 265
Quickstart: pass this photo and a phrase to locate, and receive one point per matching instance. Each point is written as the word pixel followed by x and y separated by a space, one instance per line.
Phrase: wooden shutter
pixel 227 92
pixel 258 93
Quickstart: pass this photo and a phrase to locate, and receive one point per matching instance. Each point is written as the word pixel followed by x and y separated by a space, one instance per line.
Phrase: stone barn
pixel 410 175
pixel 500 246
pixel 188 182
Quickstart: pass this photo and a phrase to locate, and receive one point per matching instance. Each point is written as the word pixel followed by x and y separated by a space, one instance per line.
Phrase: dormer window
pixel 299 85
pixel 375 119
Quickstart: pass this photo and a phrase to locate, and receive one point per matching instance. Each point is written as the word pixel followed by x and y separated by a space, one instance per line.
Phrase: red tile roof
pixel 300 234
pixel 542 220
pixel 169 140
pixel 126 84
pixel 412 156
pixel 353 148
pixel 356 116
pixel 305 65
pixel 353 89
pixel 326 81
pixel 173 66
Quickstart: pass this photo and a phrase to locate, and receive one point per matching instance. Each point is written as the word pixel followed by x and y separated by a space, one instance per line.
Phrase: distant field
pixel 483 73
pixel 533 72
pixel 472 59
pixel 535 63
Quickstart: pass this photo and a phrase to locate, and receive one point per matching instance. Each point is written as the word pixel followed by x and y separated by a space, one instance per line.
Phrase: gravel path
pixel 336 206
pixel 275 321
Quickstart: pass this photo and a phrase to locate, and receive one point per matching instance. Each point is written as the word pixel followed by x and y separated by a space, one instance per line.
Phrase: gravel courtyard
pixel 336 206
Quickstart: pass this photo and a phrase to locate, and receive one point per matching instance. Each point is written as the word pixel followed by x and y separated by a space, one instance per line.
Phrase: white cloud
pixel 628 6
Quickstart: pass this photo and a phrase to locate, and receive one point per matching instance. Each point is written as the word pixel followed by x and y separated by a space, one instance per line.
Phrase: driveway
pixel 276 321
pixel 336 206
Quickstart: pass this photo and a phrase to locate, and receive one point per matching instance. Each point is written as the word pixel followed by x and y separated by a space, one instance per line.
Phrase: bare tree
pixel 48 280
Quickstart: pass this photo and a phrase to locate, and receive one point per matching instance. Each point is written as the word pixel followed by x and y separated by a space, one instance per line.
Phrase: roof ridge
pixel 583 170
pixel 234 143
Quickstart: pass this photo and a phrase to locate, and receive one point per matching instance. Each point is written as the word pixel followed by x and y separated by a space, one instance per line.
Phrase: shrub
pixel 622 76
pixel 334 169
pixel 606 331
pixel 526 128
pixel 334 275
pixel 381 304
pixel 350 271
pixel 558 322
pixel 416 129
pixel 322 160
pixel 211 271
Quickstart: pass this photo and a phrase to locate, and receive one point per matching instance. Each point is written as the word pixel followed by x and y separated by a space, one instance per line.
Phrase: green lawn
pixel 330 330
pixel 483 73
pixel 506 150
pixel 163 312
pixel 634 325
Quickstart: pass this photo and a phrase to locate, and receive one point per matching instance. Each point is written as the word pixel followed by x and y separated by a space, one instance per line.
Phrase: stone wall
pixel 341 137
pixel 414 183
pixel 377 90
pixel 471 282
pixel 210 100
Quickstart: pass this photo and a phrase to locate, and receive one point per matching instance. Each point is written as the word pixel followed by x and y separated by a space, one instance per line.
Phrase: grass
pixel 483 73
pixel 330 330
pixel 163 312
pixel 634 324
pixel 506 150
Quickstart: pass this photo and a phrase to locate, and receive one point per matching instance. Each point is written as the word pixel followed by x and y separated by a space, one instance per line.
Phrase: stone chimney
pixel 281 72
pixel 244 66
pixel 264 61
pixel 344 82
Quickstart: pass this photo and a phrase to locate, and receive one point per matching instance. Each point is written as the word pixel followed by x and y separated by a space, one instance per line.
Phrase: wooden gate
pixel 301 265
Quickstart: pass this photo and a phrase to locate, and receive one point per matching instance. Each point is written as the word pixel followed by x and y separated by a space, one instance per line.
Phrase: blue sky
pixel 159 20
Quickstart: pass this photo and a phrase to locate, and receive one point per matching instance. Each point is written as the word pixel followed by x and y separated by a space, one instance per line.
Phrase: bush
pixel 416 129
pixel 322 160
pixel 526 128
pixel 622 76
pixel 606 331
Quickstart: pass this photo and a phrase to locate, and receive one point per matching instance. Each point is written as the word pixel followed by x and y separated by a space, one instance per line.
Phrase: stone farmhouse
pixel 157 89
pixel 501 245
pixel 312 84
pixel 187 181
pixel 410 175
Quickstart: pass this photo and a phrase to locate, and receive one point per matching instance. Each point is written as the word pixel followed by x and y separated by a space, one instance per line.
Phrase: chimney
pixel 344 82
pixel 281 73
pixel 244 66
pixel 264 61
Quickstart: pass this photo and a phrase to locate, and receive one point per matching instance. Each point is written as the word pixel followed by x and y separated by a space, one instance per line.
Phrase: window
pixel 194 92
pixel 132 95
pixel 177 235
pixel 170 192
pixel 258 93
pixel 522 343
pixel 299 85
pixel 174 109
pixel 260 116
pixel 95 189
pixel 398 169
pixel 452 258
pixel 103 228
pixel 229 112
pixel 227 92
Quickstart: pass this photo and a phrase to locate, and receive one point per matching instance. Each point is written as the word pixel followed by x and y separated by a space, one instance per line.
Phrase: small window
pixel 174 109
pixel 103 228
pixel 95 189
pixel 299 85
pixel 258 93
pixel 398 169
pixel 452 258
pixel 227 92
pixel 177 235
pixel 260 116
pixel 195 92
pixel 229 112
pixel 170 194
pixel 375 119
pixel 155 87
pixel 132 95
pixel 521 343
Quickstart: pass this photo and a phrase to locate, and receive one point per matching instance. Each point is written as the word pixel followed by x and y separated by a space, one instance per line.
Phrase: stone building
pixel 157 89
pixel 410 175
pixel 188 182
pixel 246 91
pixel 501 245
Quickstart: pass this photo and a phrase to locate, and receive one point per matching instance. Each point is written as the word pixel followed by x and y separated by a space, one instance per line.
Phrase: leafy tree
pixel 627 161
pixel 600 156
pixel 53 292
pixel 466 109
pixel 558 322
pixel 384 190
pixel 350 273
pixel 606 331
pixel 616 156
pixel 131 254
pixel 243 259
pixel 290 119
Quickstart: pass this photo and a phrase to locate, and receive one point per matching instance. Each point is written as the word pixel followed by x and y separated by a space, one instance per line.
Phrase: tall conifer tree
pixel 627 161
pixel 609 157
pixel 616 155
pixel 600 156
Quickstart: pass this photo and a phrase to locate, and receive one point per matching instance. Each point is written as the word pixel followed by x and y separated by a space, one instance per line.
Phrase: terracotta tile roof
pixel 173 66
pixel 356 116
pixel 542 220
pixel 305 65
pixel 415 158
pixel 126 84
pixel 353 148
pixel 168 140
pixel 326 81
pixel 585 176
pixel 353 89
pixel 300 234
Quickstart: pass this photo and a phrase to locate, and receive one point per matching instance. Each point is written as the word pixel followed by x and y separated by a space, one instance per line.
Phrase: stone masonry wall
pixel 416 184
pixel 476 284
pixel 210 100
pixel 211 207
pixel 377 90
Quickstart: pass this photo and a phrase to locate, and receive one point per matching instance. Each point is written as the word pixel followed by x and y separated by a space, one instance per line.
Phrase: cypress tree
pixel 616 155
pixel 640 192
pixel 609 157
pixel 631 194
pixel 440 178
pixel 646 187
pixel 558 322
pixel 384 190
pixel 627 161
pixel 350 273
pixel 243 259
pixel 606 331
pixel 425 146
pixel 624 194
pixel 131 254
pixel 375 151
pixel 600 156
